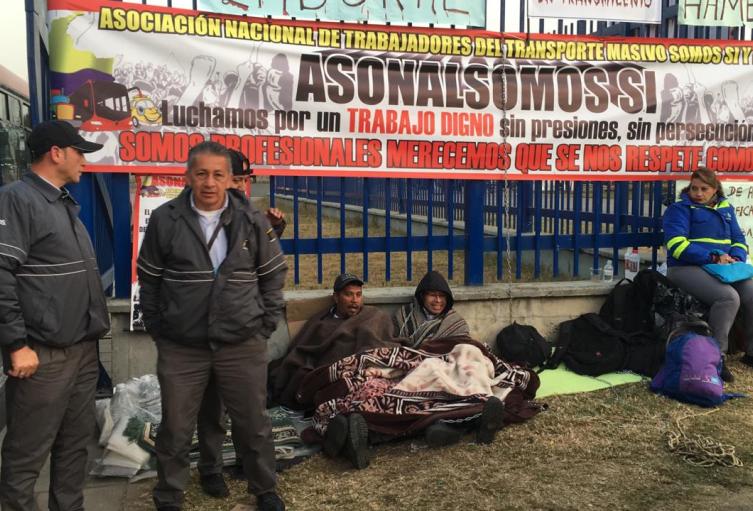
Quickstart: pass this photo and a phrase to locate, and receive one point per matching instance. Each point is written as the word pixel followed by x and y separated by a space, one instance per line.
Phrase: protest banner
pixel 323 99
pixel 460 13
pixel 740 194
pixel 715 13
pixel 630 11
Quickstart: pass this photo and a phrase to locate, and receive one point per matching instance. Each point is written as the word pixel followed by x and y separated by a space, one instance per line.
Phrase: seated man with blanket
pixel 400 391
pixel 343 329
pixel 430 314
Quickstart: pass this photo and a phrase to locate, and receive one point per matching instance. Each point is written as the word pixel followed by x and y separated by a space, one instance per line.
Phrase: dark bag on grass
pixel 649 303
pixel 589 345
pixel 522 344
pixel 644 353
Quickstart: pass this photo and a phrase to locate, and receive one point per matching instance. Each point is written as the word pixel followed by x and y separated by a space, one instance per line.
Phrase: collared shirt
pixel 50 183
pixel 209 220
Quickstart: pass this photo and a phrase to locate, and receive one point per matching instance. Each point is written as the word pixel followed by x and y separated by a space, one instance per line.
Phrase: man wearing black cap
pixel 52 309
pixel 346 327
pixel 241 172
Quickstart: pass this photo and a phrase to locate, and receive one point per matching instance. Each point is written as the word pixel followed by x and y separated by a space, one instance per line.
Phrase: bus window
pixel 15 110
pixel 27 115
pixel 3 106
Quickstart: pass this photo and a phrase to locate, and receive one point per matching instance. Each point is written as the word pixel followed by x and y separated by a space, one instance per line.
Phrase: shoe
pixel 168 508
pixel 236 471
pixel 214 486
pixel 357 443
pixel 725 374
pixel 747 360
pixel 335 436
pixel 492 420
pixel 441 434
pixel 269 501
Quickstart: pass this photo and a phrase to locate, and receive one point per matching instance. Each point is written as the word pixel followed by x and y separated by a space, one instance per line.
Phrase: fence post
pixel 121 207
pixel 474 232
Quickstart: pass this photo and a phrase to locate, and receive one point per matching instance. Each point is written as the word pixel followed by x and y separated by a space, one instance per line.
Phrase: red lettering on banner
pixel 644 158
pixel 730 159
pixel 410 154
pixel 567 157
pixel 533 157
pixel 391 122
pixel 153 147
pixel 602 158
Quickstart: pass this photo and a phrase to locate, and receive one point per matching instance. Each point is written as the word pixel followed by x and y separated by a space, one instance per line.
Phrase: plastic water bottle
pixel 632 264
pixel 607 273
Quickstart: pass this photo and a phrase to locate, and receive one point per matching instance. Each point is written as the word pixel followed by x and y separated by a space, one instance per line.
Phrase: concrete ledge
pixel 496 291
pixel 487 310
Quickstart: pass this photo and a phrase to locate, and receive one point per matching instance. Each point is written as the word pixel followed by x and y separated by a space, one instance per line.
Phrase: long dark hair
pixel 710 178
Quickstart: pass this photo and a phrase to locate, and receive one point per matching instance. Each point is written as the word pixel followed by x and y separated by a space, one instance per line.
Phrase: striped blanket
pixel 401 391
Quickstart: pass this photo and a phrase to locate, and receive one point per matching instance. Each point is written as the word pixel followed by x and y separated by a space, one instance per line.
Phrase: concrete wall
pixel 487 309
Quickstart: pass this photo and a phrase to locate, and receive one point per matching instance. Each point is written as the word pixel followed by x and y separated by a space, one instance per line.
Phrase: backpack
pixel 644 353
pixel 589 345
pixel 691 371
pixel 649 303
pixel 523 345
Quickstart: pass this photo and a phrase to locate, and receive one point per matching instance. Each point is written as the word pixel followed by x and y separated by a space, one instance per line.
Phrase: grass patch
pixel 601 450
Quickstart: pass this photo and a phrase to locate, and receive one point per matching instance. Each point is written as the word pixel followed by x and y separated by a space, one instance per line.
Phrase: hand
pixel 275 216
pixel 726 259
pixel 24 363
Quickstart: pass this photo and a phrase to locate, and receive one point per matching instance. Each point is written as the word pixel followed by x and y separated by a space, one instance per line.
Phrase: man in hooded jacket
pixel 430 314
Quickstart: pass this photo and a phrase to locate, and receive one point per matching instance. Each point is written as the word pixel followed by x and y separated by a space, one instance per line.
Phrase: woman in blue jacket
pixel 701 228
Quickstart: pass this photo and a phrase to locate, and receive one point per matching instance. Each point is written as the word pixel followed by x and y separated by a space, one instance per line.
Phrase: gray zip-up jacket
pixel 182 299
pixel 50 287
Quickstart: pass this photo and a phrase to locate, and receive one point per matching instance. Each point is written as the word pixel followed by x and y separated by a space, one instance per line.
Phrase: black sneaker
pixel 492 420
pixel 747 360
pixel 335 436
pixel 214 486
pixel 168 508
pixel 357 443
pixel 269 501
pixel 236 471
pixel 725 374
pixel 441 434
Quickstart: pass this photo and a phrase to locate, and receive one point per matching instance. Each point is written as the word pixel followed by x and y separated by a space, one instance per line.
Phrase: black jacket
pixel 184 301
pixel 50 287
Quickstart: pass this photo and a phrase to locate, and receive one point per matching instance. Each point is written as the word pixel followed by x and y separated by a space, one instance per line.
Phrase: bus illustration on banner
pixel 101 106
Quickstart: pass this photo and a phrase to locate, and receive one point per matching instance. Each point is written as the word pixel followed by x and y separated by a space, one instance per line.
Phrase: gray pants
pixel 240 374
pixel 723 299
pixel 50 413
pixel 211 431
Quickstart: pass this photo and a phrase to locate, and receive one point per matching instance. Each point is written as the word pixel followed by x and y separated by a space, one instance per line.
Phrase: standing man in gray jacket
pixel 52 310
pixel 211 273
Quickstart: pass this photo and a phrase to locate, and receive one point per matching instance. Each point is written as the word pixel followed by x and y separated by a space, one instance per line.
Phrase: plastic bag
pixel 138 397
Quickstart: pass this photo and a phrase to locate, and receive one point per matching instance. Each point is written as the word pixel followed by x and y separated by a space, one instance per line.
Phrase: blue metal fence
pixel 542 218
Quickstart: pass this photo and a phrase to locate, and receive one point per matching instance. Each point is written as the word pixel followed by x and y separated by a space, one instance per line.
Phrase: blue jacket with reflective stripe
pixel 693 231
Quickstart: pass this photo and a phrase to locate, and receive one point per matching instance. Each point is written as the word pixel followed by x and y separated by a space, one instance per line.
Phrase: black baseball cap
pixel 346 279
pixel 239 163
pixel 47 134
